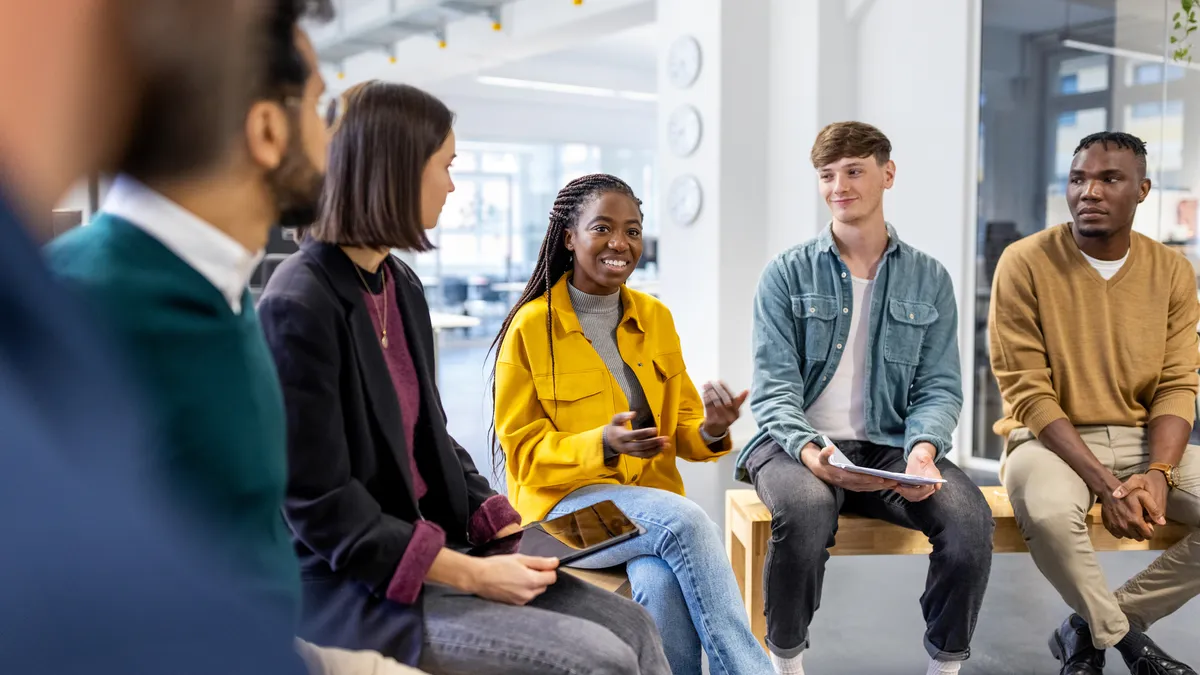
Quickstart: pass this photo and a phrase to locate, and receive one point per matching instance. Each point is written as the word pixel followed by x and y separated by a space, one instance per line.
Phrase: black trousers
pixel 804 519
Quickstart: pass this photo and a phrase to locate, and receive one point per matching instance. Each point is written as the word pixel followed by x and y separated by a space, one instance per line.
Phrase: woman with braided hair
pixel 593 403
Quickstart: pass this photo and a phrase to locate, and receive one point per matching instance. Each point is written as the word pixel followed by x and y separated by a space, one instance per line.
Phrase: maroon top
pixel 404 373
pixel 428 539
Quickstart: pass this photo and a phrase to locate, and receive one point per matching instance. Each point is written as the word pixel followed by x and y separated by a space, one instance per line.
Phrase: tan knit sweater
pixel 1067 343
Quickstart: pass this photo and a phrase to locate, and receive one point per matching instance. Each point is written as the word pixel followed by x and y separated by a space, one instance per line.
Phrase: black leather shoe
pixel 1072 645
pixel 1146 658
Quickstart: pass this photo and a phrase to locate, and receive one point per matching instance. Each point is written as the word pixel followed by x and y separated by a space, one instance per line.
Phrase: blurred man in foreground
pixel 95 581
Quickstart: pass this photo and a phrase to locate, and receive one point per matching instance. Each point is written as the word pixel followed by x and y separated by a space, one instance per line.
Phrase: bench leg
pixel 747 559
pixel 735 551
pixel 755 557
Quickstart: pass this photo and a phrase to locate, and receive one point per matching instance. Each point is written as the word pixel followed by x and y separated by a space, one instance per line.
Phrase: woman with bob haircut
pixel 380 499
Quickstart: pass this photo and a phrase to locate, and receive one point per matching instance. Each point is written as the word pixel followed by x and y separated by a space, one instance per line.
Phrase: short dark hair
pixel 850 139
pixel 285 71
pixel 1121 140
pixel 180 95
pixel 377 157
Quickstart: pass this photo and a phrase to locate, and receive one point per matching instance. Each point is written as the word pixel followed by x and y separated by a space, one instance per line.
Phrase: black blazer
pixel 350 501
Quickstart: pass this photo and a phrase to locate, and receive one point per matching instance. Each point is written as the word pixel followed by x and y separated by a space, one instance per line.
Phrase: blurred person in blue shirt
pixel 95 578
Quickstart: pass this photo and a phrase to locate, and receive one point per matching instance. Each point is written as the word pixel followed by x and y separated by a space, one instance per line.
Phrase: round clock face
pixel 683 130
pixel 684 199
pixel 683 62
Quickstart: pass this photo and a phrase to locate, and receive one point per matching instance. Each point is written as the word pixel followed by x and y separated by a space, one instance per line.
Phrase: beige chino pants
pixel 1051 502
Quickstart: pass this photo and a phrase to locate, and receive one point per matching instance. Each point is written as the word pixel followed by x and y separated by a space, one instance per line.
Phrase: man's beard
pixel 296 185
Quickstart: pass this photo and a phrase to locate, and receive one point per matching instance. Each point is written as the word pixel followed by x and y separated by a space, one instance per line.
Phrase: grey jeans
pixel 804 520
pixel 573 628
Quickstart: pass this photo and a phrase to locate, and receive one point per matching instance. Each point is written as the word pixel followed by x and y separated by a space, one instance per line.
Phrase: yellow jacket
pixel 551 428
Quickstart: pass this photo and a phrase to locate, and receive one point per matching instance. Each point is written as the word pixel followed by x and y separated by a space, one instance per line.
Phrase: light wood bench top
pixel 748 532
pixel 866 536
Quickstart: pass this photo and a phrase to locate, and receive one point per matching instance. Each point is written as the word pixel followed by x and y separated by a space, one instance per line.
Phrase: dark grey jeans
pixel 804 519
pixel 573 628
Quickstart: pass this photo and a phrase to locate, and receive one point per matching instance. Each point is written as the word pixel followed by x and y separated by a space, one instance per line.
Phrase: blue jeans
pixel 679 572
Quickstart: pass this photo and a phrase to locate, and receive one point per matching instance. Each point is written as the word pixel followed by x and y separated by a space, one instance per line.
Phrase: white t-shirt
pixel 1107 268
pixel 840 411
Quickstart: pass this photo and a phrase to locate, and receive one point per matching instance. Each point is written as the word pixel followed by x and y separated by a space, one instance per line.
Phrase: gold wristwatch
pixel 1168 470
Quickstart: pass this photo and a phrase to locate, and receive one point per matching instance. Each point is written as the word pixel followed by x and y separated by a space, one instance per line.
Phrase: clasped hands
pixel 1133 509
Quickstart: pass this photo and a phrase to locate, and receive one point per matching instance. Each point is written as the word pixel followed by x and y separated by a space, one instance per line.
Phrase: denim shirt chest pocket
pixel 904 332
pixel 816 321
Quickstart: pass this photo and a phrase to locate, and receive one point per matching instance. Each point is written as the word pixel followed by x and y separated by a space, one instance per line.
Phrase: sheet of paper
pixel 840 460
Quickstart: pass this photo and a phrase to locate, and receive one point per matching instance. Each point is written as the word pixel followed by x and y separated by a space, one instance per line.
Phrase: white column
pixel 918 76
pixel 756 94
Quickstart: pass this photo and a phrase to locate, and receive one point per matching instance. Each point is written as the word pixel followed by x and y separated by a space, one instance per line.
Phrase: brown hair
pixel 850 139
pixel 377 156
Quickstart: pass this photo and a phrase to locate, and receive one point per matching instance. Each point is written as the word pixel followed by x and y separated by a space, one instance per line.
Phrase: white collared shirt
pixel 220 259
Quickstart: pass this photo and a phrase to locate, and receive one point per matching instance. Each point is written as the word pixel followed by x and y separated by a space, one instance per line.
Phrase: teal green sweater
pixel 214 395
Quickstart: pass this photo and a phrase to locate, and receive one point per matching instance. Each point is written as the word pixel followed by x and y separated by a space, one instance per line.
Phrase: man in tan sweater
pixel 1093 333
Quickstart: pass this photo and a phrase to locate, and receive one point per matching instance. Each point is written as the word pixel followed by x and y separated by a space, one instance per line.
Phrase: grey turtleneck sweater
pixel 599 316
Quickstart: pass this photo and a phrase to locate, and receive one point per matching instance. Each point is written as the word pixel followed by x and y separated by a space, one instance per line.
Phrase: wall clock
pixel 684 130
pixel 684 199
pixel 683 62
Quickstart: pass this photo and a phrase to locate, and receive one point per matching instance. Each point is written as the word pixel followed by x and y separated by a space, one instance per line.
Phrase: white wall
pixel 709 269
pixel 794 112
pixel 918 65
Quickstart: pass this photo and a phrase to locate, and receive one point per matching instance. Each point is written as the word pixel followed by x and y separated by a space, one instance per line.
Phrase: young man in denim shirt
pixel 855 343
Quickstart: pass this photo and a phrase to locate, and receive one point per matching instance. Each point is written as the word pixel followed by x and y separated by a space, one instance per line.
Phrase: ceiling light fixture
pixel 559 88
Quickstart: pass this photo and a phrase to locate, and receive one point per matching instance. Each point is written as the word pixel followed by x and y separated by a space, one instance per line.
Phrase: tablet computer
pixel 568 537
pixel 843 462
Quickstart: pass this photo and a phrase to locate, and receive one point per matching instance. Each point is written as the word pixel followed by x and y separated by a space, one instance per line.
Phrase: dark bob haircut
pixel 377 155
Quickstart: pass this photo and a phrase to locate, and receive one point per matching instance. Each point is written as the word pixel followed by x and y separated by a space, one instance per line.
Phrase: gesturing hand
pixel 817 461
pixel 721 407
pixel 642 443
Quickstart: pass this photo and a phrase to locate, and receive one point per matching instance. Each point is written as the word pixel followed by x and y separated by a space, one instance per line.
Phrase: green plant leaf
pixel 1187 5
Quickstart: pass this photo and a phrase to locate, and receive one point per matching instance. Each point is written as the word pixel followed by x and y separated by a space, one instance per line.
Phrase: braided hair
pixel 554 260
pixel 1121 140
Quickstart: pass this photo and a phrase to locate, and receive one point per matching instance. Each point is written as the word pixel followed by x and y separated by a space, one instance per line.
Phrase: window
pixel 1083 75
pixel 1151 73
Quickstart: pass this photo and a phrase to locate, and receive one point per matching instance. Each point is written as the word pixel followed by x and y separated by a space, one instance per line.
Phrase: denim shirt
pixel 802 316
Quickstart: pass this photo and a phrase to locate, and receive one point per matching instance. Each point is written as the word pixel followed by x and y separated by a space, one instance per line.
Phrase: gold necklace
pixel 382 311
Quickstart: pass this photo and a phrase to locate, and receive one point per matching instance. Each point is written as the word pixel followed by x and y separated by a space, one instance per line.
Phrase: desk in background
pixel 442 321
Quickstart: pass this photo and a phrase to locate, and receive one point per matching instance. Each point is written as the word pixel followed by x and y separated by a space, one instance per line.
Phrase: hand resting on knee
pixel 514 579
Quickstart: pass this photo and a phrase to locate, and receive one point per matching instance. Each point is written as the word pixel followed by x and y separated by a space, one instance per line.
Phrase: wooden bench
pixel 748 529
